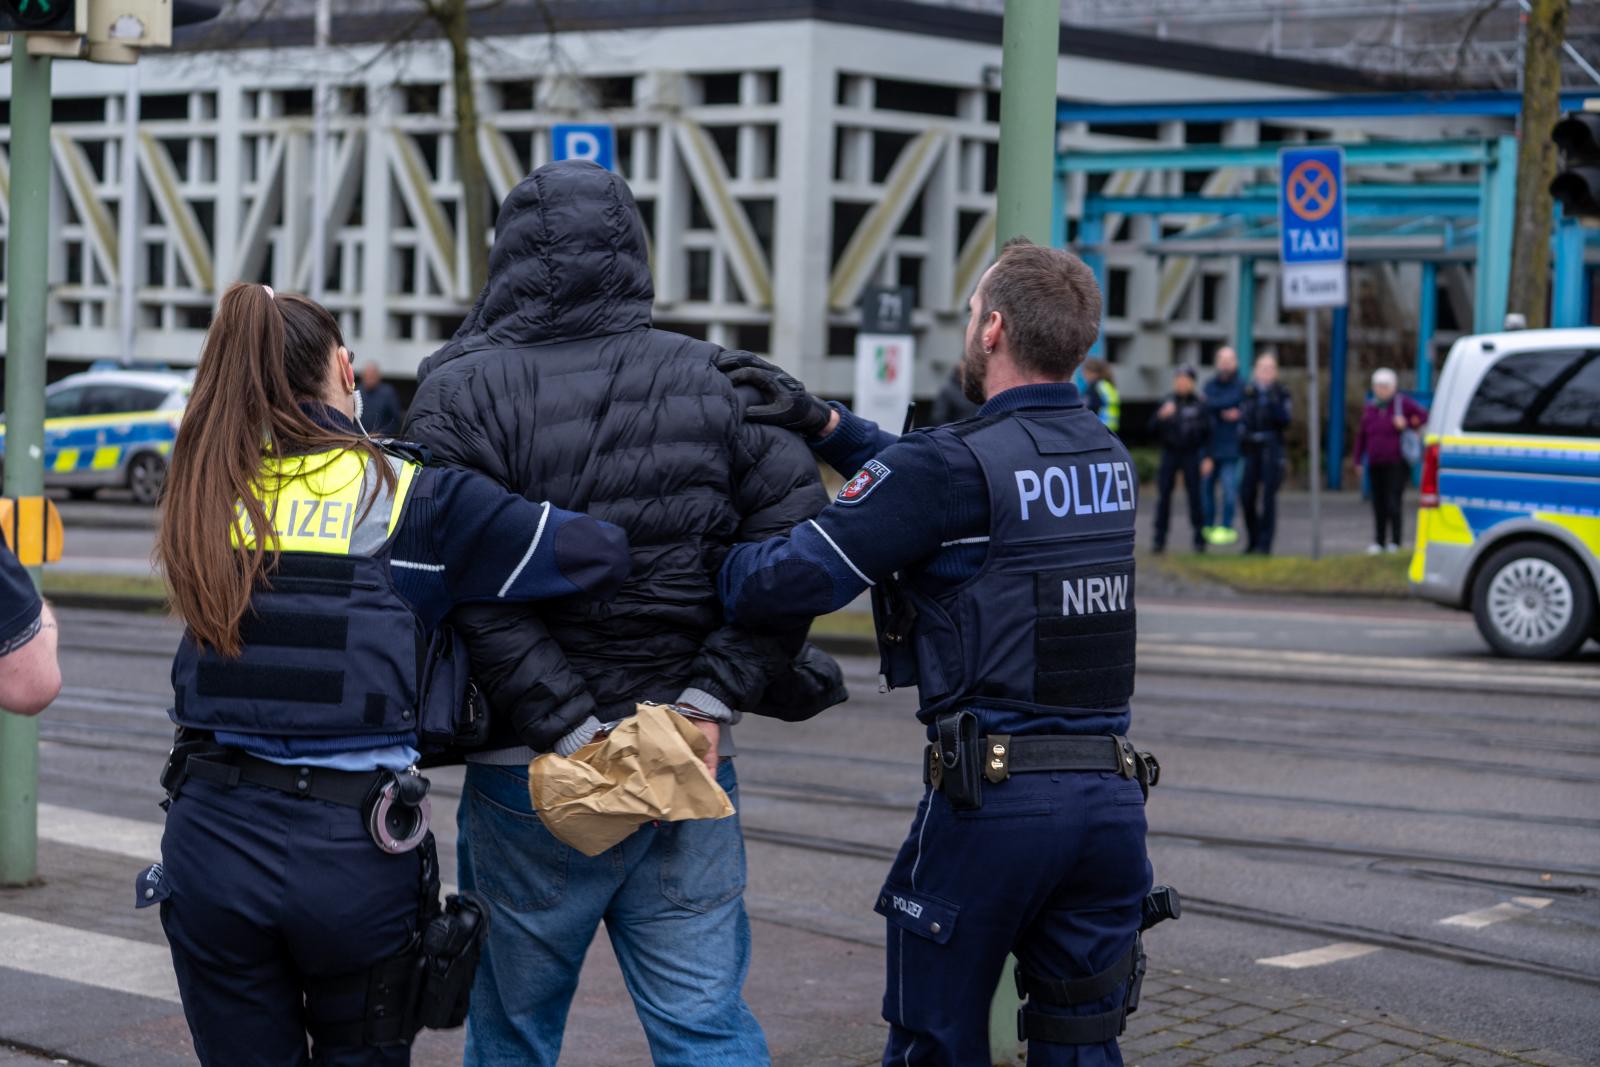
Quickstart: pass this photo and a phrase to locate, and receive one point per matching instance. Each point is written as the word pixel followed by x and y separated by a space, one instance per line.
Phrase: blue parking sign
pixel 596 143
pixel 1311 221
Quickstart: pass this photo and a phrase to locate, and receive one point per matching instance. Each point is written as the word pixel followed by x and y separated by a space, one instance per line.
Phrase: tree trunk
pixel 452 17
pixel 1536 160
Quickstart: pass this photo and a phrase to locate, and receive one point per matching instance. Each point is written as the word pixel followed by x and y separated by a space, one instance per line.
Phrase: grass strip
pixel 1380 576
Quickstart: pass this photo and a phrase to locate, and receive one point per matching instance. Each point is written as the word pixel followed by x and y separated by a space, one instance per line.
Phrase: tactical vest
pixel 1047 625
pixel 1110 405
pixel 330 648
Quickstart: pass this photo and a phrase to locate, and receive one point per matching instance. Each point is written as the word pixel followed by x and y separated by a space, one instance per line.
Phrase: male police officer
pixel 1000 554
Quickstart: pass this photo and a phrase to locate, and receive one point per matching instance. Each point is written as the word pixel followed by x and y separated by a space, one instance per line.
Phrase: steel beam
pixel 1427 323
pixel 1338 388
pixel 1244 320
pixel 1266 207
pixel 1211 157
pixel 1496 220
pixel 1346 106
pixel 1566 295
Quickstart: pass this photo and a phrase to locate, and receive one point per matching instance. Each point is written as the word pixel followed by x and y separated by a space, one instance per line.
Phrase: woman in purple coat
pixel 1387 418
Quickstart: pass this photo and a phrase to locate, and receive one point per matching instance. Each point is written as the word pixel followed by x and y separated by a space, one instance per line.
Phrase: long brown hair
pixel 265 355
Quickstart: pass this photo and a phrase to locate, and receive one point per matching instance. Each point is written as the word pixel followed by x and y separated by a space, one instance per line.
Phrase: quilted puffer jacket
pixel 557 386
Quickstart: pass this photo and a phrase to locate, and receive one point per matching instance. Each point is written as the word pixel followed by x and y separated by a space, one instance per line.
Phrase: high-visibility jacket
pixel 1110 407
pixel 330 648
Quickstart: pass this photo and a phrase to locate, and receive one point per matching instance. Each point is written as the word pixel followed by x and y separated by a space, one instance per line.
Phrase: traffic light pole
pixel 1031 40
pixel 29 226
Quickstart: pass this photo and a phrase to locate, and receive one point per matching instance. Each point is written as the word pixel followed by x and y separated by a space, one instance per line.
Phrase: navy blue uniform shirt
pixel 918 504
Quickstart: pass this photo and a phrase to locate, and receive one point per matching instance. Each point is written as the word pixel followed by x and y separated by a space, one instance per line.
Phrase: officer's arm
pixel 496 545
pixel 854 441
pixel 30 677
pixel 892 514
pixel 499 551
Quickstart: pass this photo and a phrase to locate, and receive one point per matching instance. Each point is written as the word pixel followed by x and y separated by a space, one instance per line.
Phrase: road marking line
pixel 1514 908
pixel 100 960
pixel 1316 957
pixel 134 838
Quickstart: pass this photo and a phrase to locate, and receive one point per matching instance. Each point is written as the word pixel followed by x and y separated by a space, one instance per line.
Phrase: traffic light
pixel 43 16
pixel 1577 186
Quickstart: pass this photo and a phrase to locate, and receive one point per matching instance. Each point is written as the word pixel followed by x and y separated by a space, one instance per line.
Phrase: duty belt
pixel 394 807
pixel 1003 755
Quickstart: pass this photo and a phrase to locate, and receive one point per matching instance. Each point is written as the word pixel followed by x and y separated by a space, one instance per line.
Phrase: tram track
pixel 1235 912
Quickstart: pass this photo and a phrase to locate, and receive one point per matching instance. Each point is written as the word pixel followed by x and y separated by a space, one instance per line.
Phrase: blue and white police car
pixel 107 429
pixel 1509 527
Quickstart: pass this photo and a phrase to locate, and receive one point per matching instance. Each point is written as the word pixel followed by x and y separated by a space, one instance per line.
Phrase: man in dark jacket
pixel 557 386
pixel 1183 426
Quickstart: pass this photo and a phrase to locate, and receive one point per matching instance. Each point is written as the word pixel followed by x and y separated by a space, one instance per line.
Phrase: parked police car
pixel 1509 526
pixel 111 429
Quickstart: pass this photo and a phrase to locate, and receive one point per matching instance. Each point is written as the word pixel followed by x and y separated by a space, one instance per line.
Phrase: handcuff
pixel 397 812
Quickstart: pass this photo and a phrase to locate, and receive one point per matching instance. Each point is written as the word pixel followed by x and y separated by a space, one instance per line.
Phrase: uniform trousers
pixel 264 896
pixel 1052 868
pixel 1174 462
pixel 1258 494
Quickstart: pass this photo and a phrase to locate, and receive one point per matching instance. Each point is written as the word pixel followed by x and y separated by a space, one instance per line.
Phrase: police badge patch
pixel 866 480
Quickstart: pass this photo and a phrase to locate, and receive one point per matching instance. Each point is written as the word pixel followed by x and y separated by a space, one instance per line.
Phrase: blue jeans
pixel 670 896
pixel 1224 472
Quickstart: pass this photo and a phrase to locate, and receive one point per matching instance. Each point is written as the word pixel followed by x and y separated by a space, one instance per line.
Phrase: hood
pixel 569 261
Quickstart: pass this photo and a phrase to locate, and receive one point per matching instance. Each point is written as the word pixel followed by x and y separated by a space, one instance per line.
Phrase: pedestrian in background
pixel 1100 393
pixel 1183 426
pixel 1388 431
pixel 381 411
pixel 1264 413
pixel 950 404
pixel 1223 393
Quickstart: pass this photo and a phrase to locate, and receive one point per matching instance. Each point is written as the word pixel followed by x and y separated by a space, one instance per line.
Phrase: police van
pixel 1509 526
pixel 111 429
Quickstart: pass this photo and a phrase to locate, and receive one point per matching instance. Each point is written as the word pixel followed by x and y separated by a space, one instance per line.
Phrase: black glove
pixel 786 402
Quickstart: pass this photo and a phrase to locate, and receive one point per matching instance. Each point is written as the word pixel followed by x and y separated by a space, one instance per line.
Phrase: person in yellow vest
pixel 1100 393
pixel 314 570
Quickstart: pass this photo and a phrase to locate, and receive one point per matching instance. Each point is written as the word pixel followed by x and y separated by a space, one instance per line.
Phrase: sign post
pixel 596 143
pixel 884 352
pixel 1311 224
pixel 24 458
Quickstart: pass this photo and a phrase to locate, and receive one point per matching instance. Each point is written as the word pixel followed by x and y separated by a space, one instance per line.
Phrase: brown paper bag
pixel 650 767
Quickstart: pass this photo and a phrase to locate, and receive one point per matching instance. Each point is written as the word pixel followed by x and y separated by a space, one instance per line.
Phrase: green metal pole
pixel 1032 39
pixel 26 249
pixel 1023 201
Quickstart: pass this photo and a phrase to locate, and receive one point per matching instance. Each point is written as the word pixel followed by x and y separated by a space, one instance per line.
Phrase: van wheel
pixel 1533 601
pixel 145 475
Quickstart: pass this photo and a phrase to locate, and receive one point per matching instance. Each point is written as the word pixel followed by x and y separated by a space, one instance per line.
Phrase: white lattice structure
pixel 782 165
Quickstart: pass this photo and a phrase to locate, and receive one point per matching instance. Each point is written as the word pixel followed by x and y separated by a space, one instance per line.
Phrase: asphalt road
pixel 1357 802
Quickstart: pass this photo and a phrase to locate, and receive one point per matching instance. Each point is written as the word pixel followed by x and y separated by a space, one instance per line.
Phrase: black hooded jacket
pixel 557 387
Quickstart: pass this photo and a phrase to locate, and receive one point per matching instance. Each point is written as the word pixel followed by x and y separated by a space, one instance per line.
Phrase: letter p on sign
pixel 597 144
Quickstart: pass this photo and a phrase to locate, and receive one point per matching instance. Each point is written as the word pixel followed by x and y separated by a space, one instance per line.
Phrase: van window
pixel 1555 393
pixel 121 399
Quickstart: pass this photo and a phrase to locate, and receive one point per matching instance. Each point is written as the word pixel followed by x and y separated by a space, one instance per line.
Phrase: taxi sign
pixel 32 529
pixel 1311 221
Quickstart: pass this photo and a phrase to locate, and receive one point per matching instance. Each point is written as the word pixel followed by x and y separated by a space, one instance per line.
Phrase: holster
pixel 186 742
pixel 894 616
pixel 956 766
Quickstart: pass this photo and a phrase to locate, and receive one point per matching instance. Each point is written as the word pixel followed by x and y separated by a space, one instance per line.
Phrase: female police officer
pixel 312 567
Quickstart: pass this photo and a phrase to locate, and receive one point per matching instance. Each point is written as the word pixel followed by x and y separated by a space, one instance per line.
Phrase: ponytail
pixel 264 357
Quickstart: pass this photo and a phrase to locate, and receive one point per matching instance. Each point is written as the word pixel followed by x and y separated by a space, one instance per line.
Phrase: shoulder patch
pixel 861 486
